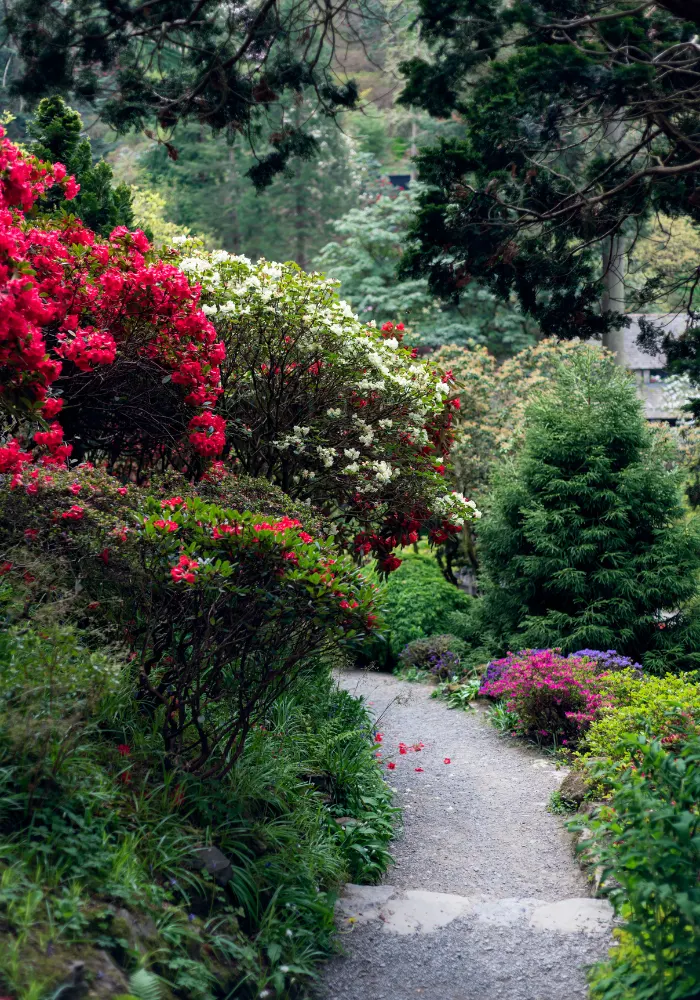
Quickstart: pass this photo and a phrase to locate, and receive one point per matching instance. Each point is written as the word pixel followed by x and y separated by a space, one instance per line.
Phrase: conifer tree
pixel 57 133
pixel 585 544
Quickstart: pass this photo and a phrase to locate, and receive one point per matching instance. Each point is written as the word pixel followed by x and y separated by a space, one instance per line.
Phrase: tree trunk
pixel 613 297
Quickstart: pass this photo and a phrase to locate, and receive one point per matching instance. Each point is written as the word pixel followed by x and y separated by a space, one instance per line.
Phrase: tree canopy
pixel 148 64
pixel 581 122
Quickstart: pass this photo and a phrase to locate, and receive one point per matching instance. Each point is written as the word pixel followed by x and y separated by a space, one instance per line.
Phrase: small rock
pixel 213 861
pixel 575 787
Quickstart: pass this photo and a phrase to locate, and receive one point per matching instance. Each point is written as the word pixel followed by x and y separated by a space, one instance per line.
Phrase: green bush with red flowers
pixel 222 609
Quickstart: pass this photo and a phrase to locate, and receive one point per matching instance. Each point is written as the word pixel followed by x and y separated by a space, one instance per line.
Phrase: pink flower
pixel 447 760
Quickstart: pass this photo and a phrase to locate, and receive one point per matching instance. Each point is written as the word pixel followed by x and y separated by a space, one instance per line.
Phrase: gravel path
pixel 478 830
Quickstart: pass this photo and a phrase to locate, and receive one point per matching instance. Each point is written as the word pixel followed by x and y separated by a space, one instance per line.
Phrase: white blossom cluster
pixel 456 508
pixel 371 430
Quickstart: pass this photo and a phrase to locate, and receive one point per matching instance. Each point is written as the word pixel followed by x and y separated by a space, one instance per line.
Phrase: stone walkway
pixel 485 899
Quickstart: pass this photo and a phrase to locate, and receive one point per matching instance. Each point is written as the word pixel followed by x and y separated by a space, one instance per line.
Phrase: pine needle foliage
pixel 57 134
pixel 586 542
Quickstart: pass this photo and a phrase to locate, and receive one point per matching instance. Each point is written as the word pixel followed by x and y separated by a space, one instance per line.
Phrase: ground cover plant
pixel 646 842
pixel 102 840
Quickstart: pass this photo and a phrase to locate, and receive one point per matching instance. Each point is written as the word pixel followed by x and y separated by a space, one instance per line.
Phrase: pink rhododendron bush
pixel 335 412
pixel 555 697
pixel 104 350
pixel 222 609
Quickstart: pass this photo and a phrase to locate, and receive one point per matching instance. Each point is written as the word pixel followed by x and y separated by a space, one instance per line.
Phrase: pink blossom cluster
pixel 554 697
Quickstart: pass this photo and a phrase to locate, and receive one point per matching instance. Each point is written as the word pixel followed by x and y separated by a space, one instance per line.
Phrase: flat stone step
pixel 418 911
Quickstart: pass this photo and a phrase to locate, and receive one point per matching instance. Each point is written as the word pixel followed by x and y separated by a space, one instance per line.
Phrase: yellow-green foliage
pixel 659 707
pixel 490 424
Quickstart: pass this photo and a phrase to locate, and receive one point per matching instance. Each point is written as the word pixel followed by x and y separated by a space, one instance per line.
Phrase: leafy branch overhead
pixel 171 61
pixel 581 123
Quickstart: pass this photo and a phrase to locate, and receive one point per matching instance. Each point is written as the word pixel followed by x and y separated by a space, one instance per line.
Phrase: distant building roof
pixel 648 367
pixel 634 357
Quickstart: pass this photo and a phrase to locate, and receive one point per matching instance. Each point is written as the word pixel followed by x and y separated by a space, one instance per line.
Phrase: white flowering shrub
pixel 337 413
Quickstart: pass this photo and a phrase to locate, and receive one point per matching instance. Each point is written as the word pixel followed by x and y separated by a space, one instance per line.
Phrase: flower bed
pixel 554 697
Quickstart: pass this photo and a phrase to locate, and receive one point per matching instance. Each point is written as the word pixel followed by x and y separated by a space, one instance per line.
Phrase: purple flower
pixel 609 659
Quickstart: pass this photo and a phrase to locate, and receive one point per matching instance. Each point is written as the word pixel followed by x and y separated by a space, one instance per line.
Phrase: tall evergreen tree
pixel 580 122
pixel 57 134
pixel 585 544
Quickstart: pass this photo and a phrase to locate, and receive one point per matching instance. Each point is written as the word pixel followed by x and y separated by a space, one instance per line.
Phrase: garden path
pixel 485 899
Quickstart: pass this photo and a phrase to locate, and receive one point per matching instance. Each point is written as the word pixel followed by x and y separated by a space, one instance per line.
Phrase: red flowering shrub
pixel 222 609
pixel 97 334
pixel 555 698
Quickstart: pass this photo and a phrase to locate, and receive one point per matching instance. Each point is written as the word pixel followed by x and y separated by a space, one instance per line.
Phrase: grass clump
pixel 101 839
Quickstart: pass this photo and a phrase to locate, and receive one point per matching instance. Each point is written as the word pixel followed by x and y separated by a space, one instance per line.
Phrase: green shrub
pixel 647 843
pixel 660 708
pixel 417 600
pixel 223 609
pixel 438 655
pixel 99 833
pixel 586 539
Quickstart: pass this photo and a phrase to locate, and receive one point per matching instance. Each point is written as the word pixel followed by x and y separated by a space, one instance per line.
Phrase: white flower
pixel 195 264
pixel 209 310
pixel 228 307
pixel 383 471
pixel 334 413
pixel 351 453
pixel 352 468
pixel 392 343
pixel 179 239
pixel 299 431
pixel 367 438
pixel 386 423
pixel 284 969
pixel 289 933
pixel 326 455
pixel 219 256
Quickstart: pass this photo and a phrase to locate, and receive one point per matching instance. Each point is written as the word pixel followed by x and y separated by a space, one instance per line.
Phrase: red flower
pixel 185 571
pixel 391 765
pixel 75 488
pixel 30 534
pixel 447 760
pixel 417 768
pixel 122 491
pixel 104 556
pixel 124 750
pixel 305 537
pixel 378 737
pixel 74 513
